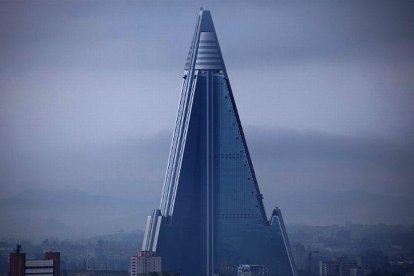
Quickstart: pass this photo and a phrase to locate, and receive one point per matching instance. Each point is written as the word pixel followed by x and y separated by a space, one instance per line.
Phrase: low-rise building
pixel 20 266
pixel 145 262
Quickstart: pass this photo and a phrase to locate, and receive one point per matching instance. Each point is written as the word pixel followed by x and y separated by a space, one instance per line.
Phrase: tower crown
pixel 204 50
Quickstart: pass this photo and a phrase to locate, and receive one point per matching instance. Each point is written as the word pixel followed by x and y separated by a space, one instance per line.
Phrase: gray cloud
pixel 343 68
pixel 305 173
pixel 286 161
pixel 290 32
pixel 327 88
pixel 289 161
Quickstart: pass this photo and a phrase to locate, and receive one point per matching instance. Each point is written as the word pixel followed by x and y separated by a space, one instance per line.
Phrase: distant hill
pixel 71 213
pixel 319 207
pixel 68 213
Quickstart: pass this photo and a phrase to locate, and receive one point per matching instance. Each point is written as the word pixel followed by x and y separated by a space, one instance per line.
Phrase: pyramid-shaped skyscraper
pixel 211 217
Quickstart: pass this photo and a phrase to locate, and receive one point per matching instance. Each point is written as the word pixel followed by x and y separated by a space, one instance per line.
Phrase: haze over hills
pixel 65 213
pixel 316 178
pixel 326 106
pixel 319 207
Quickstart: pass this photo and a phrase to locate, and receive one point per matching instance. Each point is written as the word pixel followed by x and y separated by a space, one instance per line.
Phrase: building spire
pixel 204 50
pixel 211 205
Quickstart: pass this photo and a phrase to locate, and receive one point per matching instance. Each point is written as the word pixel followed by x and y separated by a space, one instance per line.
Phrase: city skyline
pixel 85 100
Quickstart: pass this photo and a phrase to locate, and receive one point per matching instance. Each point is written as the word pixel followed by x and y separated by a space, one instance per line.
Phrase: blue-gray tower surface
pixel 211 216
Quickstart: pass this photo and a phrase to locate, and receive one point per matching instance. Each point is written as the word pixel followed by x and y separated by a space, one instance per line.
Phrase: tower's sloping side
pixel 211 217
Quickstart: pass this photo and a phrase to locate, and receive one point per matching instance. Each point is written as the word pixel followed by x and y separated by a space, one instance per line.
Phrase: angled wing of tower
pixel 211 217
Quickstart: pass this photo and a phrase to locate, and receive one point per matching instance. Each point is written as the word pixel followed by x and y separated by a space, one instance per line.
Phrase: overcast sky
pixel 90 90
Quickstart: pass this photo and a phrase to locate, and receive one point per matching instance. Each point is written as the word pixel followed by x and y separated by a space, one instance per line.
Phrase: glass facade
pixel 211 217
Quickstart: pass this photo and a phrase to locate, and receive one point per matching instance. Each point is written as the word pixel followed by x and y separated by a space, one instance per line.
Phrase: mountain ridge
pixel 82 214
